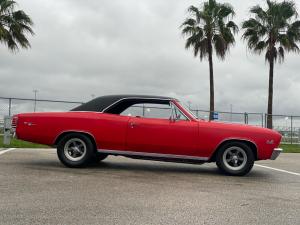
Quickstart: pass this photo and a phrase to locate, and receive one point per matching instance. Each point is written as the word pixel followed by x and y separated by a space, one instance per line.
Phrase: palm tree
pixel 209 28
pixel 273 30
pixel 14 25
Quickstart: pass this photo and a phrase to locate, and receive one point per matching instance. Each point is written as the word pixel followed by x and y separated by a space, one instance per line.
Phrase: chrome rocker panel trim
pixel 154 155
pixel 276 153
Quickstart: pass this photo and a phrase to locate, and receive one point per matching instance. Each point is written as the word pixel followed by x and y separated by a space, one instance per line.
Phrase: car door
pixel 110 131
pixel 163 136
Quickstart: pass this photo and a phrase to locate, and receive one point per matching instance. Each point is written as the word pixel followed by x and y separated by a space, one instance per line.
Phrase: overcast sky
pixel 100 47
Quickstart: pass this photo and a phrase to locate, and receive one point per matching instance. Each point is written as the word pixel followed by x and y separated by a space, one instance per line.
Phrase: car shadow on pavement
pixel 137 167
pixel 156 167
pixel 161 167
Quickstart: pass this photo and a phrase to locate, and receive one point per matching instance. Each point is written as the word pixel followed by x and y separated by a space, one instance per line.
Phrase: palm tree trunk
pixel 270 97
pixel 211 84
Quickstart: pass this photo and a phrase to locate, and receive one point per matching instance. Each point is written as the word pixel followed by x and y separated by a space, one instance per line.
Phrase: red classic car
pixel 146 127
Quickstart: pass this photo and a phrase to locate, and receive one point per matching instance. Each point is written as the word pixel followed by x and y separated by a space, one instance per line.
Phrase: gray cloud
pixel 135 46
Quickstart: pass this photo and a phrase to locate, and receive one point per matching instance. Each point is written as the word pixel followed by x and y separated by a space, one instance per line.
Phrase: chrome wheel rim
pixel 75 149
pixel 234 158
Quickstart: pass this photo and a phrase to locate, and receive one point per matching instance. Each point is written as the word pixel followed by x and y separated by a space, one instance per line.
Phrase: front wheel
pixel 235 159
pixel 75 150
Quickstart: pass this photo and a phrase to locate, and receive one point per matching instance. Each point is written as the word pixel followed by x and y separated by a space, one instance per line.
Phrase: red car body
pixel 127 135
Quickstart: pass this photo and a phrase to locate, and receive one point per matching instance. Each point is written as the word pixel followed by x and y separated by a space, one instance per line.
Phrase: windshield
pixel 188 110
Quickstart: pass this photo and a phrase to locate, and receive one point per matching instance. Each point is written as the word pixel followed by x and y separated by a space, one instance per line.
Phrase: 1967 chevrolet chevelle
pixel 146 127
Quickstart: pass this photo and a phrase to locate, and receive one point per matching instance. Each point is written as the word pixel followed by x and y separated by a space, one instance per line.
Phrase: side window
pixel 177 114
pixel 156 111
pixel 134 110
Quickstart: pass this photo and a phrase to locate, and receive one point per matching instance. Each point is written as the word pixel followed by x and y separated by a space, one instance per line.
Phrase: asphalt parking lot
pixel 36 189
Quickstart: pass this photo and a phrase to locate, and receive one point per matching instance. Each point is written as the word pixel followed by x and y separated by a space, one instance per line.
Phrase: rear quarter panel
pixel 108 130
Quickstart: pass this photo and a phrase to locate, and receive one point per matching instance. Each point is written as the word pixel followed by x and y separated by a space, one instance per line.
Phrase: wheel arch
pixel 64 133
pixel 251 144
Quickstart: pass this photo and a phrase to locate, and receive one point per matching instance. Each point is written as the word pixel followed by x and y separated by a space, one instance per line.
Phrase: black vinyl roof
pixel 109 104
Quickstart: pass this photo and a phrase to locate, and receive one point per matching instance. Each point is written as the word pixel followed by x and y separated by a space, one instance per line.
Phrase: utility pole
pixel 35 93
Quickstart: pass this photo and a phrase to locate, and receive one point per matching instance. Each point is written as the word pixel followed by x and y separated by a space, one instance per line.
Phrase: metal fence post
pixel 143 110
pixel 291 129
pixel 266 120
pixel 262 120
pixel 9 106
pixel 246 118
pixel 7 130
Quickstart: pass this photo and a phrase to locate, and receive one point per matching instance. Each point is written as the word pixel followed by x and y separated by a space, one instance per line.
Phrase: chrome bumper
pixel 276 153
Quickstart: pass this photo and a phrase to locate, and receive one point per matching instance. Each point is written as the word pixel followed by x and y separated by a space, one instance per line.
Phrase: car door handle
pixel 132 124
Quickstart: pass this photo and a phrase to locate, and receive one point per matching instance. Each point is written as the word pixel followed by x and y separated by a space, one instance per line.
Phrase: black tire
pixel 235 158
pixel 83 155
pixel 100 157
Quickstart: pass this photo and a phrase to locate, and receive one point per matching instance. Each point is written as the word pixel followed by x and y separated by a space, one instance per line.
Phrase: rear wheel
pixel 75 150
pixel 100 157
pixel 235 159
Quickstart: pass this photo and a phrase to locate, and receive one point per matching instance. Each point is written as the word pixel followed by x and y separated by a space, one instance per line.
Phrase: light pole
pixel 35 93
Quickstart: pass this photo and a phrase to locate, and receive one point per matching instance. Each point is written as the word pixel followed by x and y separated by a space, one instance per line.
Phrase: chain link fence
pixel 287 125
pixel 12 106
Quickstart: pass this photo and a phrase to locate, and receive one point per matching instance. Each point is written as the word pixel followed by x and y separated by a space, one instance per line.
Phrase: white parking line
pixel 280 170
pixel 7 150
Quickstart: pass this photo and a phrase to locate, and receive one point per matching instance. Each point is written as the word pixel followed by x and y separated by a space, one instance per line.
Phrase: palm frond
pixel 14 25
pixel 226 10
pixel 295 48
pixel 259 13
pixel 232 26
pixel 280 54
pixel 195 12
pixel 189 22
pixel 7 5
pixel 255 25
pixel 260 47
pixel 287 9
pixel 220 46
pixel 293 31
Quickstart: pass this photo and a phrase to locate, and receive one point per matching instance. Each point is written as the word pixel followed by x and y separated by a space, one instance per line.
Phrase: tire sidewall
pixel 247 167
pixel 90 153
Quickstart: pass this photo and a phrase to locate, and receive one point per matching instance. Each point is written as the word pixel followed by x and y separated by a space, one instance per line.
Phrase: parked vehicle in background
pixel 114 125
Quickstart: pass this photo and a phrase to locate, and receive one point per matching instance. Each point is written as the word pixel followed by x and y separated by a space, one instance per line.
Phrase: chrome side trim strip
pixel 157 155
